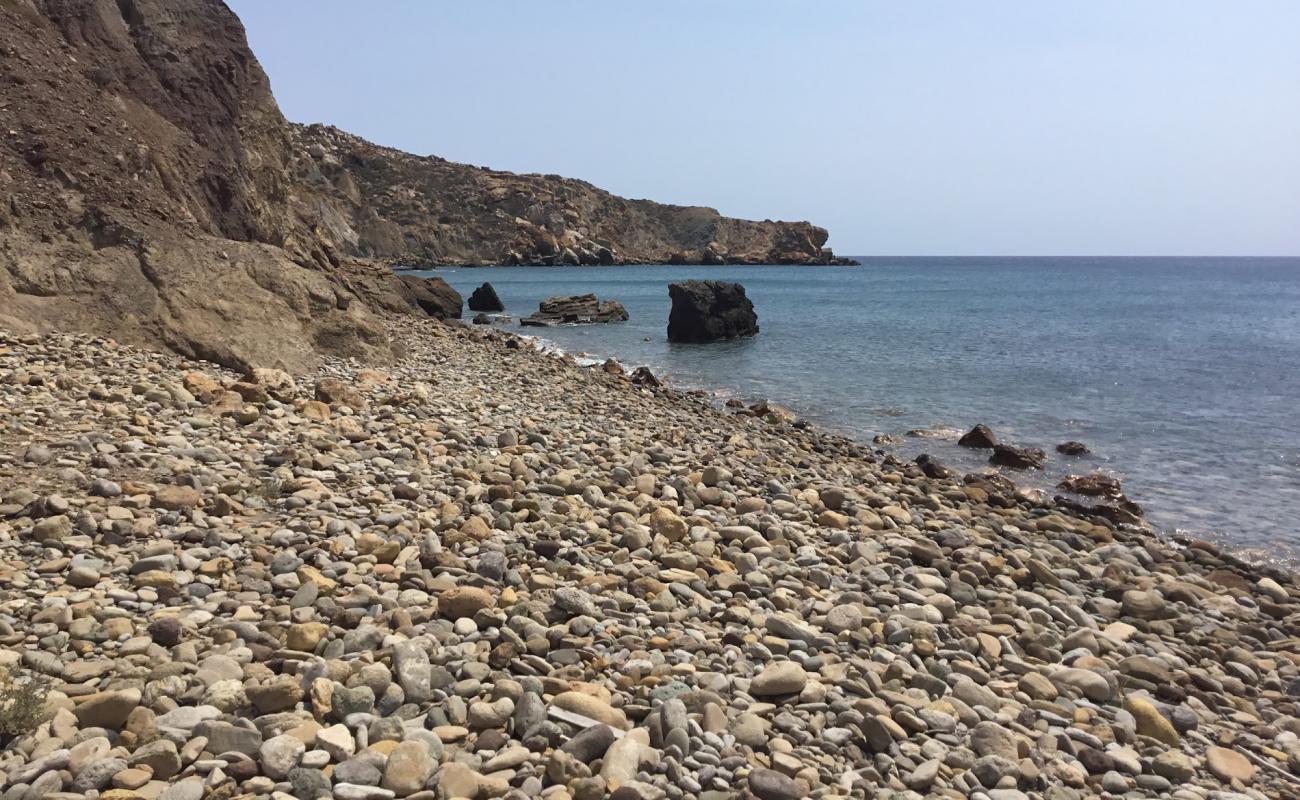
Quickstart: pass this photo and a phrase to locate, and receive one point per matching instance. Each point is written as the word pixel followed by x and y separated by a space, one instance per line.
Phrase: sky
pixel 1001 127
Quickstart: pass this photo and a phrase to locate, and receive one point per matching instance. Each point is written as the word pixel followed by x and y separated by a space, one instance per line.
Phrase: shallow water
pixel 1182 375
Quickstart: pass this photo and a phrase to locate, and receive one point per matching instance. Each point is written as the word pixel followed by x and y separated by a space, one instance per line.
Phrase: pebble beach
pixel 484 571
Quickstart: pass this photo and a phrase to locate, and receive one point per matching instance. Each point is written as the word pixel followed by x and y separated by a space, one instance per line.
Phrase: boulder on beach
pixel 642 376
pixel 433 296
pixel 706 311
pixel 582 309
pixel 932 468
pixel 485 298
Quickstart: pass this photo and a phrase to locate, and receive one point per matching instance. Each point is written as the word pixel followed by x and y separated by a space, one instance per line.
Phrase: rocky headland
pixel 485 572
pixel 425 211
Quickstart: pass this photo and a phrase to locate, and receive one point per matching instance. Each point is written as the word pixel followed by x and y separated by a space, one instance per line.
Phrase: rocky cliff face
pixel 150 189
pixel 382 203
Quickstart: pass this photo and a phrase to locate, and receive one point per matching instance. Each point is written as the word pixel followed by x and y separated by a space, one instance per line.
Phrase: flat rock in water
pixel 583 309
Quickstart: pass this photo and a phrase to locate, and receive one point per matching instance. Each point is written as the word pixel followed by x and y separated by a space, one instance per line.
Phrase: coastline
pixel 757 603
pixel 904 442
pixel 1205 457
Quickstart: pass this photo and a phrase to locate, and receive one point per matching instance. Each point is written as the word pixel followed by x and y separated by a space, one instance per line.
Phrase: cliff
pixel 382 203
pixel 151 190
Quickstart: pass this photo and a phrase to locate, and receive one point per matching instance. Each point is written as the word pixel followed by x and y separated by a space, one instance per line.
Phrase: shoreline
pixel 1284 562
pixel 487 568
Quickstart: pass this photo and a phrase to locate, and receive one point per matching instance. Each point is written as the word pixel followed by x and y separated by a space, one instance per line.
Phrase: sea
pixel 1182 375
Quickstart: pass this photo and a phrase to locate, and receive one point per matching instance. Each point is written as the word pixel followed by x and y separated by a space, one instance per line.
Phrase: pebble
pixel 780 678
pixel 494 573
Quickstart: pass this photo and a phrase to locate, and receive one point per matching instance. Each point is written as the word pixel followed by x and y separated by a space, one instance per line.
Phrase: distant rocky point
pixel 424 211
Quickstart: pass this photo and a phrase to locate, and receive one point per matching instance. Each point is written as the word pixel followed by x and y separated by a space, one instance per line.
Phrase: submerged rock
pixel 705 311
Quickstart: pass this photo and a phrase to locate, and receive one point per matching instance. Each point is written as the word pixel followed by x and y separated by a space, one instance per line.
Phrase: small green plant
pixel 271 488
pixel 22 703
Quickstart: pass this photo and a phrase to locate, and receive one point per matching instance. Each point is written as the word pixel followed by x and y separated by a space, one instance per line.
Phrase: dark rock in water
pixel 705 311
pixel 1098 484
pixel 482 319
pixel 575 310
pixel 980 436
pixel 484 298
pixel 932 468
pixel 433 296
pixel 1073 449
pixel 884 439
pixel 1004 455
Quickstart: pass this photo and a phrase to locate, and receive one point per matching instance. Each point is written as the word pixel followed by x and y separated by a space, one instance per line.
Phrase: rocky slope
pixel 150 189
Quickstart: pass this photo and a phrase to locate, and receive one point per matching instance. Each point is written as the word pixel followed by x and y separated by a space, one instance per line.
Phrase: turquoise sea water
pixel 1182 375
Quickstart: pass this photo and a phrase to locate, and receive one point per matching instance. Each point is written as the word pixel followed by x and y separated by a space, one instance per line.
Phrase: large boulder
pixel 705 311
pixel 484 298
pixel 433 296
pixel 582 309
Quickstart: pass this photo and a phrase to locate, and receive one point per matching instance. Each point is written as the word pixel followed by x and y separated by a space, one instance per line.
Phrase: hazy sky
pixel 992 127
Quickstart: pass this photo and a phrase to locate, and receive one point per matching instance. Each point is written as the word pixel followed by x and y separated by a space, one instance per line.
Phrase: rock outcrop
pixel 148 191
pixel 583 309
pixel 151 190
pixel 485 298
pixel 705 311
